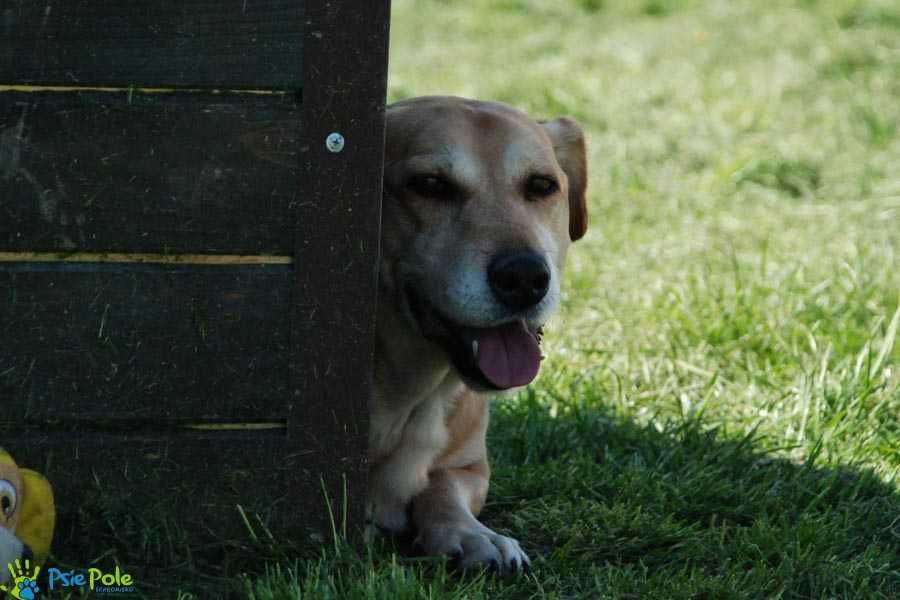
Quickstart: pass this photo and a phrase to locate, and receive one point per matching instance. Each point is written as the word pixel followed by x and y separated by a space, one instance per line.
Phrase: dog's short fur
pixel 480 205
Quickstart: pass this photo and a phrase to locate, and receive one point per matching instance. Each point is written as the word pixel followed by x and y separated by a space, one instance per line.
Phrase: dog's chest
pixel 417 424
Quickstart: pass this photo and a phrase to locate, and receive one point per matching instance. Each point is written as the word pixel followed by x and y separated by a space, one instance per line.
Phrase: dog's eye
pixel 538 187
pixel 432 186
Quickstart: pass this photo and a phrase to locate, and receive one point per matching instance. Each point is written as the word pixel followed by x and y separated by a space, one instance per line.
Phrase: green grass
pixel 720 413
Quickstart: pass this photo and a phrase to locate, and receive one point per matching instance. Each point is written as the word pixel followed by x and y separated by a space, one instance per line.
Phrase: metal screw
pixel 334 142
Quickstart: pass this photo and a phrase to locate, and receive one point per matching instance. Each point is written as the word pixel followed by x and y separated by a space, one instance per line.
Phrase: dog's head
pixel 480 206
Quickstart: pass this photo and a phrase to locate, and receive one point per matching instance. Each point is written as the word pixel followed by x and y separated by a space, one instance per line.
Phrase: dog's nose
pixel 519 279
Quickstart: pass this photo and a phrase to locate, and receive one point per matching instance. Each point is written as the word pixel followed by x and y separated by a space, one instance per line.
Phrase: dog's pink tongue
pixel 508 355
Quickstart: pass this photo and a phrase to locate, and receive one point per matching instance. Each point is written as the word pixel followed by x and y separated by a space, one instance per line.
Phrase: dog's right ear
pixel 569 146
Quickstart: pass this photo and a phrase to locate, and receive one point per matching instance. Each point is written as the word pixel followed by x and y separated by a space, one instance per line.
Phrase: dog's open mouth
pixel 490 358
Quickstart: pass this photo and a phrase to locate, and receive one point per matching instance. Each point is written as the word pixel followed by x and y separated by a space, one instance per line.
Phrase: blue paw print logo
pixel 27 589
pixel 24 581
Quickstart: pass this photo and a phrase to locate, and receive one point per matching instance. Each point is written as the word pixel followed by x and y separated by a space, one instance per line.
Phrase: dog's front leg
pixel 444 518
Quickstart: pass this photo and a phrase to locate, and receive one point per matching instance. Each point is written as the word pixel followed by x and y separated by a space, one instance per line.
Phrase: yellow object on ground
pixel 27 509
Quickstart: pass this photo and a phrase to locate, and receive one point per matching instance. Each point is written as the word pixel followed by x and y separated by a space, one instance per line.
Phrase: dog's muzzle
pixel 494 358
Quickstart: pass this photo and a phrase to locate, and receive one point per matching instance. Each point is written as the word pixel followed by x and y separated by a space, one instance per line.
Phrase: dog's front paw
pixel 474 547
pixel 388 516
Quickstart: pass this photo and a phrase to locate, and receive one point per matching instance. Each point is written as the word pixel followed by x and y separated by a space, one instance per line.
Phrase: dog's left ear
pixel 568 144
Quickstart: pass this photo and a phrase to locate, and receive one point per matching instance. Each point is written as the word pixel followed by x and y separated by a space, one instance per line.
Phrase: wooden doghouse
pixel 189 222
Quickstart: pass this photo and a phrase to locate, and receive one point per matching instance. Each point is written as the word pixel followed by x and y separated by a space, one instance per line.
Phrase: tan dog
pixel 480 205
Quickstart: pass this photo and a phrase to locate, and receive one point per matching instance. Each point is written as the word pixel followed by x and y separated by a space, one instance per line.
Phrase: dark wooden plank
pixel 193 43
pixel 144 342
pixel 148 172
pixel 346 56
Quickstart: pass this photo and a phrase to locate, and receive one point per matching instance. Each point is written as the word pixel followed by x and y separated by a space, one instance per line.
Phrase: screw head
pixel 334 142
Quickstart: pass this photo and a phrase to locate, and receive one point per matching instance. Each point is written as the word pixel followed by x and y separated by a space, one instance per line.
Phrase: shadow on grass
pixel 689 509
pixel 605 507
pixel 175 544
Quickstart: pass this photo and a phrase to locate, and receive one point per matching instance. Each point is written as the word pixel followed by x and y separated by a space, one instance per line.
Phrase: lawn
pixel 719 415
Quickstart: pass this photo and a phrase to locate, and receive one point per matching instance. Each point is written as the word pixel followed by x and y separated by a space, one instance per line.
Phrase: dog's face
pixel 480 206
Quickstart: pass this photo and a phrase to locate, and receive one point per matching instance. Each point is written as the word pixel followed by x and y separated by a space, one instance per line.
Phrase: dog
pixel 480 204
